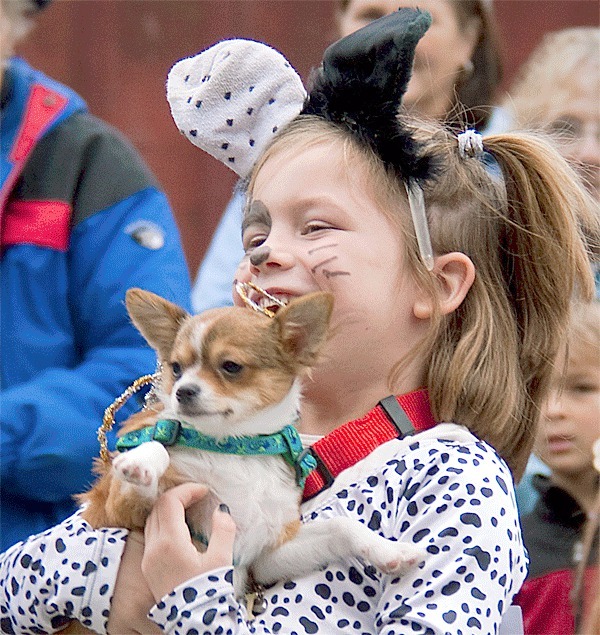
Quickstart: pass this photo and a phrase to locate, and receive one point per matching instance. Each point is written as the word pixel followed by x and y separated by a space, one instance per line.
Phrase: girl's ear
pixel 455 273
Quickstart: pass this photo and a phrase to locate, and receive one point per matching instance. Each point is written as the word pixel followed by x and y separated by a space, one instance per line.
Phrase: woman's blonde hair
pixel 488 363
pixel 565 64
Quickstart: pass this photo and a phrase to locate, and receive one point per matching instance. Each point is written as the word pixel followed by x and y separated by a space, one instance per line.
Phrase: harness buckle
pixel 167 431
pixel 397 417
pixel 323 470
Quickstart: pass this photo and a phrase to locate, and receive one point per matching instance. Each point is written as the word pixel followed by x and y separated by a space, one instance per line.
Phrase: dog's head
pixel 222 367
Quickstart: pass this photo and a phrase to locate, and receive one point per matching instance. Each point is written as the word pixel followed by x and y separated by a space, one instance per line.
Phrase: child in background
pixel 452 287
pixel 553 532
pixel 556 91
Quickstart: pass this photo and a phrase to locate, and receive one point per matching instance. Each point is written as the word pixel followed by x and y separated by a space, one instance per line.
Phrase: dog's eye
pixel 231 368
pixel 176 367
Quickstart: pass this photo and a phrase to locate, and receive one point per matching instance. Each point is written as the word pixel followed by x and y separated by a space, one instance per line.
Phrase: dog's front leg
pixel 142 467
pixel 323 542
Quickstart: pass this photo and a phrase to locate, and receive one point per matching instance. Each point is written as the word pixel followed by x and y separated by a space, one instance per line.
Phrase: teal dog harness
pixel 170 432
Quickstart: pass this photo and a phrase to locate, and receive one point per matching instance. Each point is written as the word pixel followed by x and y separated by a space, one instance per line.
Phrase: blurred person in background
pixel 553 598
pixel 455 78
pixel 557 91
pixel 82 220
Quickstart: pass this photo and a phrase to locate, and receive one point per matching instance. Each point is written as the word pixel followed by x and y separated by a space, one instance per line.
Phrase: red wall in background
pixel 117 53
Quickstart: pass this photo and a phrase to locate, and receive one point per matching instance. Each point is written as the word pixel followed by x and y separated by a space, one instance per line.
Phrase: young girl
pixel 474 320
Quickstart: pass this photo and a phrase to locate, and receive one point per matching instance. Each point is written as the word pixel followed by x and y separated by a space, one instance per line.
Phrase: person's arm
pixel 48 424
pixel 460 508
pixel 123 235
pixel 193 591
pixel 457 503
pixel 212 287
pixel 65 573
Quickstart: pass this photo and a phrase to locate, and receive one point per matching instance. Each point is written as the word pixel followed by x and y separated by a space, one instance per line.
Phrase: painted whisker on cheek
pixel 324 262
pixel 333 274
pixel 312 251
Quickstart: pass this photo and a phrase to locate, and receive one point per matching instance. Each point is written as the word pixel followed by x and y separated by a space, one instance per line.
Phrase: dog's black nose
pixel 186 393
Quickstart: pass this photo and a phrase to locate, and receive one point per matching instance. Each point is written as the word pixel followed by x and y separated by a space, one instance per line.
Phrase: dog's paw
pixel 142 467
pixel 128 469
pixel 395 557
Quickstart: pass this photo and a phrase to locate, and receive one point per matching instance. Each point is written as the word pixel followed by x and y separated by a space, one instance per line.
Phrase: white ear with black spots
pixel 232 98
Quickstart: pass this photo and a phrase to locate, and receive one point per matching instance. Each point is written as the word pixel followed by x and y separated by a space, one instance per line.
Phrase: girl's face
pixel 440 55
pixel 571 418
pixel 312 225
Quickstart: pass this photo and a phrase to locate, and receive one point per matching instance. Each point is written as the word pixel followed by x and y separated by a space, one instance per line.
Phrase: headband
pixel 360 85
pixel 231 99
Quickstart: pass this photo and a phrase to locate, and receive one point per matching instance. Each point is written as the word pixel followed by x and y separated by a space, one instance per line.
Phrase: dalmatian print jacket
pixel 448 492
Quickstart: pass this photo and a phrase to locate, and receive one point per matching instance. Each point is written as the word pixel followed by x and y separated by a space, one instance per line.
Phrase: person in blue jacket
pixel 82 220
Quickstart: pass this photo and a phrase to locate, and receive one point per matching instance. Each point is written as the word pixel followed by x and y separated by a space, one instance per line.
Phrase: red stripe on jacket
pixel 41 223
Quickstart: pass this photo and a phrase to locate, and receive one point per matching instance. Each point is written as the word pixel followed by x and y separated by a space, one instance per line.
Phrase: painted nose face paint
pixel 260 255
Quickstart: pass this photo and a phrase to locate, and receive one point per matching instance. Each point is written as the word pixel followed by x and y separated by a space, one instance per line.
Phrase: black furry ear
pixel 360 86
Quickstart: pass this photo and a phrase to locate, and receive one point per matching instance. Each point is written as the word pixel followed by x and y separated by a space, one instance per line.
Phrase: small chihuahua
pixel 234 373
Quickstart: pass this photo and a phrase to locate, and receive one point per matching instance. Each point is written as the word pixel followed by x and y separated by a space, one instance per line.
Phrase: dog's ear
pixel 303 324
pixel 157 319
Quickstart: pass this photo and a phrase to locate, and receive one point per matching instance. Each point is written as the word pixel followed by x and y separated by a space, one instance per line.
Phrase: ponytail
pixel 491 362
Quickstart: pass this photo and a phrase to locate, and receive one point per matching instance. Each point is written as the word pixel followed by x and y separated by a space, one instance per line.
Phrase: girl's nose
pixel 554 406
pixel 270 257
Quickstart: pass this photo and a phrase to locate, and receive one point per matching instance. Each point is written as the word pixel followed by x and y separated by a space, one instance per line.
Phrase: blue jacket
pixel 82 221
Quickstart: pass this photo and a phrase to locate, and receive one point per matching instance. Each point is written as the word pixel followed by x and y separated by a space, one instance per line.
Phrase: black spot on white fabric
pixel 457 588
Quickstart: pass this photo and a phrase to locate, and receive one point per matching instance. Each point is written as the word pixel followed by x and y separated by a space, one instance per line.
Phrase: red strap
pixel 42 223
pixel 355 440
pixel 43 106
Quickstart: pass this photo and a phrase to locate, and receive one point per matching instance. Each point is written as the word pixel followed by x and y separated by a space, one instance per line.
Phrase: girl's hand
pixel 170 558
pixel 132 598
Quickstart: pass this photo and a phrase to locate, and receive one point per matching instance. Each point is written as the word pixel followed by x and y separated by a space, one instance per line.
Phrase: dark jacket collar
pixel 557 505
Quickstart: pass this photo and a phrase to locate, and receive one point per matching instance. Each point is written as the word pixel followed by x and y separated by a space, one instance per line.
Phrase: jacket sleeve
pixel 48 424
pixel 65 573
pixel 213 284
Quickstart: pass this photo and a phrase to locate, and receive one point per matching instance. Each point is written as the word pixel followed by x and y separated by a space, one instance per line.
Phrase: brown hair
pixel 488 363
pixel 475 92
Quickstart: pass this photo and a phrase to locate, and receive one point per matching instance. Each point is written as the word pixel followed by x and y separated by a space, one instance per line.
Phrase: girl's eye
pixel 176 368
pixel 584 388
pixel 311 228
pixel 254 242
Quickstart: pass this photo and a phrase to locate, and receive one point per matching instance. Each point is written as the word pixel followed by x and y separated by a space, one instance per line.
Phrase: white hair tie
pixel 470 144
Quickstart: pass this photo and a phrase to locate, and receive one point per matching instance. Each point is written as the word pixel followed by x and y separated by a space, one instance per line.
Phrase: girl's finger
pixel 220 546
pixel 168 514
pixel 187 494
